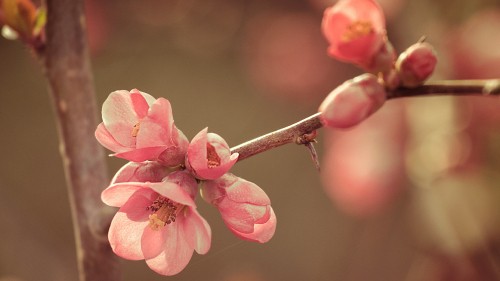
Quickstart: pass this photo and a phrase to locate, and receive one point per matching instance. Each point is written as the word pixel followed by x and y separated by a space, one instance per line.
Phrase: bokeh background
pixel 412 194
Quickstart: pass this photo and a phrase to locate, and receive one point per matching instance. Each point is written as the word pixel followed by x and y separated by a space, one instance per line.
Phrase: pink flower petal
pixel 243 191
pixel 139 103
pixel 148 171
pixel 156 128
pixel 153 241
pixel 127 226
pixel 262 232
pixel 107 140
pixel 197 231
pixel 140 155
pixel 173 192
pixel 241 216
pixel 116 195
pixel 175 255
pixel 119 117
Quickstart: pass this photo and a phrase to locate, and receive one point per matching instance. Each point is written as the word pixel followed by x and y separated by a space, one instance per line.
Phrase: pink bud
pixel 416 64
pixel 355 30
pixel 244 206
pixel 208 156
pixel 352 102
pixel 384 59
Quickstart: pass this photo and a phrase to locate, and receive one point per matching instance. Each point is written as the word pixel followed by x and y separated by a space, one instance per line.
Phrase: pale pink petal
pixel 148 171
pixel 119 117
pixel 116 195
pixel 175 255
pixel 107 140
pixel 262 232
pixel 244 191
pixel 197 231
pixel 127 226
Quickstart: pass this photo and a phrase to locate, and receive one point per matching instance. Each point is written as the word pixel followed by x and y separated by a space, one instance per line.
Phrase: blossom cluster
pixel 158 220
pixel 355 30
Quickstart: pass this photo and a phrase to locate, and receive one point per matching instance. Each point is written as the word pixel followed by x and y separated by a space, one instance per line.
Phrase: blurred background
pixel 411 194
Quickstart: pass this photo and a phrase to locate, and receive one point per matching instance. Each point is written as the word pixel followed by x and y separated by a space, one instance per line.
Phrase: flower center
pixel 164 212
pixel 135 129
pixel 357 29
pixel 213 159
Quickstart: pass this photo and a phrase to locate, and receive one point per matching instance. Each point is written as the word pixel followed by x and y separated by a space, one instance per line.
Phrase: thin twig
pixel 306 126
pixel 67 67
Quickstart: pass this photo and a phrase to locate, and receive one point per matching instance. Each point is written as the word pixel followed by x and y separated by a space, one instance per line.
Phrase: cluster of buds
pixel 158 220
pixel 355 30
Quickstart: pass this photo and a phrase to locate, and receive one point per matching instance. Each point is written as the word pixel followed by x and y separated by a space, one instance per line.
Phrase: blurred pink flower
pixel 352 102
pixel 416 64
pixel 208 156
pixel 363 168
pixel 473 46
pixel 158 222
pixel 355 30
pixel 244 207
pixel 138 127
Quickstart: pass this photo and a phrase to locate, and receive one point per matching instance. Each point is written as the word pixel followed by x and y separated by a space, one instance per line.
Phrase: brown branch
pixel 67 68
pixel 294 132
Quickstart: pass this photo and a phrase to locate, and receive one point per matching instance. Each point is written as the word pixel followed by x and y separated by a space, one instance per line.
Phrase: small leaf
pixel 40 21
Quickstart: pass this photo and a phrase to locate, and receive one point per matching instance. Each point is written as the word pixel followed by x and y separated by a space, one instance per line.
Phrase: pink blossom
pixel 138 127
pixel 245 207
pixel 208 156
pixel 352 102
pixel 157 222
pixel 416 64
pixel 355 30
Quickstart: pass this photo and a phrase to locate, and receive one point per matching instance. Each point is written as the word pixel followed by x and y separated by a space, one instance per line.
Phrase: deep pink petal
pixel 219 171
pixel 148 171
pixel 175 255
pixel 139 103
pixel 127 226
pixel 156 127
pixel 197 231
pixel 262 232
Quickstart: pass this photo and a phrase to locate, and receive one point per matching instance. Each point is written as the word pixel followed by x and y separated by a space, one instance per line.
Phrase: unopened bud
pixel 352 102
pixel 416 64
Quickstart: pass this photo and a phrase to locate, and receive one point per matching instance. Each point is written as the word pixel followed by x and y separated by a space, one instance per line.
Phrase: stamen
pixel 357 29
pixel 164 212
pixel 213 159
pixel 135 129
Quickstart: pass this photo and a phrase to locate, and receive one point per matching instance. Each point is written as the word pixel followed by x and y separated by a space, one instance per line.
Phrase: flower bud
pixel 208 156
pixel 416 64
pixel 244 207
pixel 352 102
